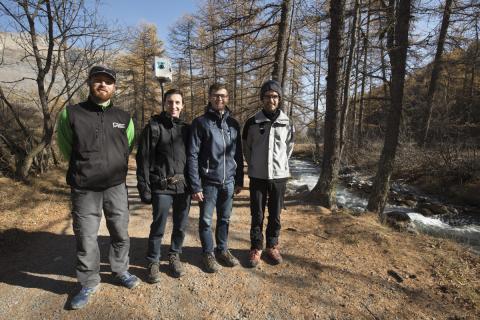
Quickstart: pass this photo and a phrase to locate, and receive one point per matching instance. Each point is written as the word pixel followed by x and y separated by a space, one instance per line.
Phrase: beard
pixel 100 95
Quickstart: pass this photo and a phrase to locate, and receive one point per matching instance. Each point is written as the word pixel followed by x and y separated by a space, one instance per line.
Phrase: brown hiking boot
pixel 227 258
pixel 210 263
pixel 274 255
pixel 254 257
pixel 153 272
pixel 176 266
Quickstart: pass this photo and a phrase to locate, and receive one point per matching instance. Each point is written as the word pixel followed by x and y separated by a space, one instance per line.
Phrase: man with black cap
pixel 96 138
pixel 267 139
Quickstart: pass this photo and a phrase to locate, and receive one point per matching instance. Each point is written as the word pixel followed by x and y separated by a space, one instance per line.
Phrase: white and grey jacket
pixel 267 146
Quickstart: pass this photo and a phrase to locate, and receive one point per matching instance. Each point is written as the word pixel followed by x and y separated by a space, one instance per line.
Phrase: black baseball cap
pixel 102 70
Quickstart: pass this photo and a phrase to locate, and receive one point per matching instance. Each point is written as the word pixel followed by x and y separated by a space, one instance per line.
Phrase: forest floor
pixel 336 266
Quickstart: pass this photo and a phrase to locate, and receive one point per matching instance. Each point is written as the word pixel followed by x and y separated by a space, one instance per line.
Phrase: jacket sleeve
pixel 246 144
pixel 64 134
pixel 239 160
pixel 290 140
pixel 130 134
pixel 193 152
pixel 143 164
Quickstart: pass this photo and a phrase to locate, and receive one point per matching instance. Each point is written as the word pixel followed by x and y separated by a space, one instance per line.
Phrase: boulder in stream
pixel 398 220
pixel 302 189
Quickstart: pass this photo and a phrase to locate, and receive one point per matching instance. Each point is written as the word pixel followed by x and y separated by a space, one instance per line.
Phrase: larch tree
pixel 437 64
pixel 143 46
pixel 325 189
pixel 398 16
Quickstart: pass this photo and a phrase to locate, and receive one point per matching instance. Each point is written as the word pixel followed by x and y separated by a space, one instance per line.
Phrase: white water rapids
pixel 462 230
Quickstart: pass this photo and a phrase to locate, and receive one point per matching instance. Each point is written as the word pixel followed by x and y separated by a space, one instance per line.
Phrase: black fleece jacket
pixel 169 158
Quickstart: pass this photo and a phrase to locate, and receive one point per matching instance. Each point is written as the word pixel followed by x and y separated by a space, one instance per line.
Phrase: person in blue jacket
pixel 215 171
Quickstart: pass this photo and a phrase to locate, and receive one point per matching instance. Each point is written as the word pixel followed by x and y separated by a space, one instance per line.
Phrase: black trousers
pixel 263 192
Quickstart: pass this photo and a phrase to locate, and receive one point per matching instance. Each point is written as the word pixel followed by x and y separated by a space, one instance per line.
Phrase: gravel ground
pixel 336 267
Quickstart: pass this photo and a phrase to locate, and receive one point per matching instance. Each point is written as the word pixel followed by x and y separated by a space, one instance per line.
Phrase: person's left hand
pixel 237 189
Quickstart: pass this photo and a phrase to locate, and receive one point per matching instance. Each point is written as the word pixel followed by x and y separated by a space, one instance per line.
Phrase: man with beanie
pixel 267 145
pixel 96 137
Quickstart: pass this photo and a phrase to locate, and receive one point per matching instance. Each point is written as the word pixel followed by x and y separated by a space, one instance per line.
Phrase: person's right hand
pixel 145 193
pixel 198 196
pixel 146 197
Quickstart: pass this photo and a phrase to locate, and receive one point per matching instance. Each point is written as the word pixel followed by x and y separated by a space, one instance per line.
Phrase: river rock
pixel 398 220
pixel 398 216
pixel 425 211
pixel 347 171
pixel 410 203
pixel 302 189
pixel 430 209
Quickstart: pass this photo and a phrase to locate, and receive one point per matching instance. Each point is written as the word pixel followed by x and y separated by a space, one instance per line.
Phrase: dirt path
pixel 336 267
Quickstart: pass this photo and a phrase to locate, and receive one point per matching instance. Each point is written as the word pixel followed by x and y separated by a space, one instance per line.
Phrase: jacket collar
pixel 282 118
pixel 165 117
pixel 92 104
pixel 209 110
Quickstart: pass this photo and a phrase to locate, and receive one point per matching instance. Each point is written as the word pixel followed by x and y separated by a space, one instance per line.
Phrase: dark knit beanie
pixel 271 85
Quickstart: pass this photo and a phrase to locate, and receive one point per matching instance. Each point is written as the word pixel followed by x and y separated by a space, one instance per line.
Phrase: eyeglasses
pixel 273 96
pixel 218 96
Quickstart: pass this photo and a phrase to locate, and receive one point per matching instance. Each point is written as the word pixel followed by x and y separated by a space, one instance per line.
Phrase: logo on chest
pixel 119 125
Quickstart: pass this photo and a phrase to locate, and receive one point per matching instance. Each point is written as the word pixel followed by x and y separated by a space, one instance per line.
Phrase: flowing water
pixel 462 228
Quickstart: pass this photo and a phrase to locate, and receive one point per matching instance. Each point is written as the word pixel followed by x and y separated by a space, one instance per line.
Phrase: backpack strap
pixel 155 136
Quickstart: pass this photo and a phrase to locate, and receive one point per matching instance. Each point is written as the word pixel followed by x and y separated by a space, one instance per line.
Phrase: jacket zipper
pixel 224 156
pixel 208 165
pixel 102 136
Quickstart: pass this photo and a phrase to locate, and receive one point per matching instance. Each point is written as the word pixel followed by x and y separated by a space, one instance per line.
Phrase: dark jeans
pixel 261 192
pixel 161 204
pixel 221 198
pixel 87 209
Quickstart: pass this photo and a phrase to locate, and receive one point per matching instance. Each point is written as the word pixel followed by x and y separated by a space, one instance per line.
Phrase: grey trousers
pixel 87 208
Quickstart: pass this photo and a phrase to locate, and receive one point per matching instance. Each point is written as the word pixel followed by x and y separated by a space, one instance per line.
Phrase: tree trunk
pixel 437 64
pixel 355 89
pixel 346 85
pixel 399 22
pixel 325 190
pixel 384 70
pixel 282 40
pixel 24 164
pixel 364 77
pixel 316 80
pixel 190 67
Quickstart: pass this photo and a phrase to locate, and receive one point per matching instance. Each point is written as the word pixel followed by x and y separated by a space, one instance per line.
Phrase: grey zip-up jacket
pixel 267 146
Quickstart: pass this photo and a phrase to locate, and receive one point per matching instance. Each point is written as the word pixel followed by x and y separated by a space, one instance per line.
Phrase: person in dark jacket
pixel 96 138
pixel 161 163
pixel 215 170
pixel 267 144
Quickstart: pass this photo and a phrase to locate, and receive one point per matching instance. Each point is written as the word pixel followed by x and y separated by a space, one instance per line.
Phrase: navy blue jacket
pixel 215 150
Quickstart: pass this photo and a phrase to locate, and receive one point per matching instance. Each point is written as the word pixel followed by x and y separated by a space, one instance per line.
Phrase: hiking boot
pixel 227 258
pixel 127 280
pixel 153 272
pixel 81 299
pixel 176 266
pixel 274 255
pixel 211 265
pixel 254 257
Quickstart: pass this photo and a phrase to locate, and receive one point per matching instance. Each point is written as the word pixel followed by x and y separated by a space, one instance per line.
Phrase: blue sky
pixel 163 13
